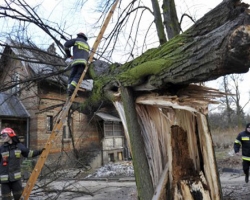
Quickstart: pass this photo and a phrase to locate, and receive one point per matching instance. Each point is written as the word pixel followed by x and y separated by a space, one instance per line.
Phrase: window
pixel 15 81
pixel 49 123
pixel 66 129
pixel 113 129
pixel 111 157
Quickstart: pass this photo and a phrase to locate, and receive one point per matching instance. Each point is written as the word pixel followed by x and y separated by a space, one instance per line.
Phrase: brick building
pixel 41 101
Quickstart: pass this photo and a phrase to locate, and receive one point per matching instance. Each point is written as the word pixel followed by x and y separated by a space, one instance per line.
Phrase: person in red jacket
pixel 10 164
pixel 243 141
pixel 80 58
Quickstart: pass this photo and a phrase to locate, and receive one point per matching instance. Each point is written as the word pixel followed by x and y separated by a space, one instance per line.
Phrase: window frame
pixel 15 80
pixel 115 129
pixel 49 123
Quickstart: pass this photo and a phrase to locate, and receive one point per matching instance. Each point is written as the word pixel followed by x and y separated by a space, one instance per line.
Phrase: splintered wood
pixel 193 98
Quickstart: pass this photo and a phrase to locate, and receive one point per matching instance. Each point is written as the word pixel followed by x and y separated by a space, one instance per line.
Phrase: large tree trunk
pixel 142 173
pixel 178 146
pixel 215 46
pixel 179 153
pixel 171 112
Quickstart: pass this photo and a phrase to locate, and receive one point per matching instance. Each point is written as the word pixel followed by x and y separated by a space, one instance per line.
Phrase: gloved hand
pixel 69 60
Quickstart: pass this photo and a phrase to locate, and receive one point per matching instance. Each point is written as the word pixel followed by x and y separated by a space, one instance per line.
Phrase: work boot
pixel 70 90
pixel 246 177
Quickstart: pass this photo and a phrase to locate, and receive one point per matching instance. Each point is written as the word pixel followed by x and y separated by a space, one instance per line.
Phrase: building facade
pixel 42 100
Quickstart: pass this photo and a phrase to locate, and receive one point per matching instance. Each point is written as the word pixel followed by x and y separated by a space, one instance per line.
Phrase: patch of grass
pixel 221 154
pixel 223 146
pixel 224 139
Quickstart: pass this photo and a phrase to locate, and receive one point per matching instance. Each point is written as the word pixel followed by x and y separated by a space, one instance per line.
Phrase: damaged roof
pixel 40 62
pixel 11 106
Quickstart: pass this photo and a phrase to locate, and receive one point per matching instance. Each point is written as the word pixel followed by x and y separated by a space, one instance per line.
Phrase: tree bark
pixel 142 175
pixel 178 158
pixel 192 58
pixel 170 18
pixel 158 22
pixel 215 46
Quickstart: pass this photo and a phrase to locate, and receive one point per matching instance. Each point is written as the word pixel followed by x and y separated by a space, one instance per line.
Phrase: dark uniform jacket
pixel 243 141
pixel 80 50
pixel 10 166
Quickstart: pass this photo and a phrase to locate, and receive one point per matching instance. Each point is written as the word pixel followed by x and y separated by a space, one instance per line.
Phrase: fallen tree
pixel 164 114
pixel 218 44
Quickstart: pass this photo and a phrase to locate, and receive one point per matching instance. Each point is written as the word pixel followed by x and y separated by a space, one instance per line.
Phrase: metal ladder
pixel 63 115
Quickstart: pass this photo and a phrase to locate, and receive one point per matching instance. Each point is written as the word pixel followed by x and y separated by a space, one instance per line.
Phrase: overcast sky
pixel 63 11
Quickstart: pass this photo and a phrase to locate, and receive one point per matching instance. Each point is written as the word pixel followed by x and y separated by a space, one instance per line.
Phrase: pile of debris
pixel 121 169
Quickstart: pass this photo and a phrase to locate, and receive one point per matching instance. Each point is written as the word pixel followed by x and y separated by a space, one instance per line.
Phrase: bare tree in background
pixel 127 29
pixel 227 101
pixel 230 110
pixel 129 18
pixel 234 80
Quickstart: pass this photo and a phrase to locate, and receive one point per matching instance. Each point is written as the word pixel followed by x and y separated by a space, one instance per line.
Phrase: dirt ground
pixel 98 190
pixel 231 175
pixel 116 182
pixel 234 186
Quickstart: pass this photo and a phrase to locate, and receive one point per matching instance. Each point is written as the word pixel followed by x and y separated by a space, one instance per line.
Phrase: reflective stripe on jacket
pixel 243 141
pixel 80 50
pixel 10 165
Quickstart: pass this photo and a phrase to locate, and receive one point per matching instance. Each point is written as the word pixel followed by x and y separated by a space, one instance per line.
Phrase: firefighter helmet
pixel 9 131
pixel 81 34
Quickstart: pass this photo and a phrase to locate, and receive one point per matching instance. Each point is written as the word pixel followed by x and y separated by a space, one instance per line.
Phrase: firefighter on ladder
pixel 10 164
pixel 80 59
